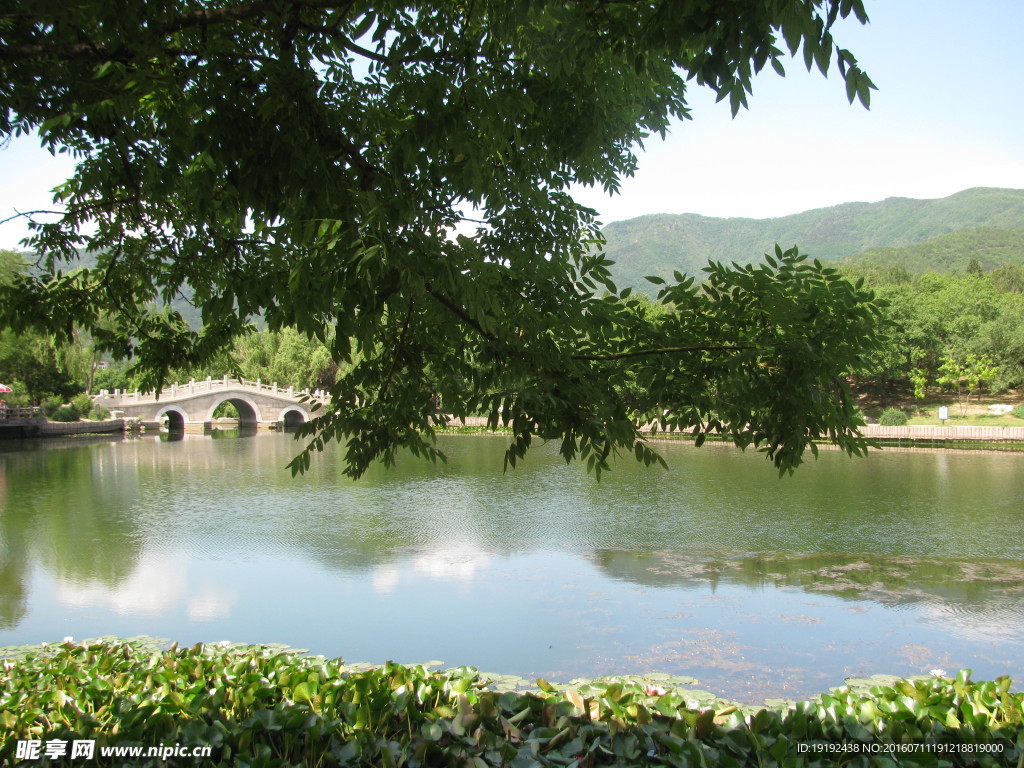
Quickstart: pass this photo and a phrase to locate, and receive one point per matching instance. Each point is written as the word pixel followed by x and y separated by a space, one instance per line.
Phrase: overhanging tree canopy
pixel 308 161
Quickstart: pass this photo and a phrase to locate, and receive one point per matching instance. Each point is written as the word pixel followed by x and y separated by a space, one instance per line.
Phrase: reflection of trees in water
pixel 83 508
pixel 14 569
pixel 887 580
pixel 65 511
pixel 12 590
pixel 13 561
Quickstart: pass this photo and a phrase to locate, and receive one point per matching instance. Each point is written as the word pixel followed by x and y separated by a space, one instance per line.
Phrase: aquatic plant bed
pixel 259 706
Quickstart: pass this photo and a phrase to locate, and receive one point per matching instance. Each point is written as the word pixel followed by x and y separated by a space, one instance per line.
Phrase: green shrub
pixel 892 417
pixel 257 706
pixel 99 414
pixel 56 410
pixel 1018 411
pixel 83 404
pixel 65 413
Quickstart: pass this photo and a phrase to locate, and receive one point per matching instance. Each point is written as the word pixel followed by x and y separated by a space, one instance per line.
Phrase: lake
pixel 758 586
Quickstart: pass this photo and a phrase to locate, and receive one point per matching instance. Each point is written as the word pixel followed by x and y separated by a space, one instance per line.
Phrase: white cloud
pixel 154 587
pixel 385 579
pixel 211 603
pixel 452 564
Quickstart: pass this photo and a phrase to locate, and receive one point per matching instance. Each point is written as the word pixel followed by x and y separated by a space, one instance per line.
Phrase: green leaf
pixel 544 685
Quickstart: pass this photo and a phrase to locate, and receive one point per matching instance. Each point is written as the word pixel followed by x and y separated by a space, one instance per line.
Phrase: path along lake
pixel 757 586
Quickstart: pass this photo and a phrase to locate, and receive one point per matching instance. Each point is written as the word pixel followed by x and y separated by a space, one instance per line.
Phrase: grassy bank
pixel 257 706
pixel 930 417
pixel 973 412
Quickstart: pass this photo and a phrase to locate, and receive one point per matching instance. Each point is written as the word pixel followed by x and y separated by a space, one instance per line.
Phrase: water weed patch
pixel 261 706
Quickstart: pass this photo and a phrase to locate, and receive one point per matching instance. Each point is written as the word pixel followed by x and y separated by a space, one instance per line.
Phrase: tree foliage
pixel 284 356
pixel 942 320
pixel 12 264
pixel 967 374
pixel 29 363
pixel 308 161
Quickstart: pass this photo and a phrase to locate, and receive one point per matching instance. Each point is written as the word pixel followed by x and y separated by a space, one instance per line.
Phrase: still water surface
pixel 757 586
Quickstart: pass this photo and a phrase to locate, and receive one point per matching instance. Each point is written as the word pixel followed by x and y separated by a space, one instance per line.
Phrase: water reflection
pixel 887 580
pixel 754 585
pixel 152 588
pixel 233 433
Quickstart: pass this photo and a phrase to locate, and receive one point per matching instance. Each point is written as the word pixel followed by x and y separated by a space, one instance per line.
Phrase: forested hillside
pixel 661 243
pixel 988 247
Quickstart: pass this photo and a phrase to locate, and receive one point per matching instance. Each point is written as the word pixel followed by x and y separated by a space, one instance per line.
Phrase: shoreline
pixel 962 437
pixel 909 437
pixel 21 429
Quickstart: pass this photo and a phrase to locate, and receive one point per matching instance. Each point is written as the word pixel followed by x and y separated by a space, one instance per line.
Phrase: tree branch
pixel 26 214
pixel 462 315
pixel 201 18
pixel 399 347
pixel 458 312
pixel 667 351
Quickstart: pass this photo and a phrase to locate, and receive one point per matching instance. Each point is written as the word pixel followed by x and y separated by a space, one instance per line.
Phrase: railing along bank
pixel 950 433
pixel 873 431
pixel 15 413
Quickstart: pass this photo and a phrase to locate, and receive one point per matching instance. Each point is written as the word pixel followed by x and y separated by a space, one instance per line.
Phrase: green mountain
pixel 181 304
pixel 661 243
pixel 992 248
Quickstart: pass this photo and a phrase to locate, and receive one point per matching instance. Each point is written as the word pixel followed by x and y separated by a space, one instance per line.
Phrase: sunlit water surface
pixel 758 586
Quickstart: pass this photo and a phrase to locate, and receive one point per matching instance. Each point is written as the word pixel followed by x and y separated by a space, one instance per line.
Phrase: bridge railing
pixel 211 384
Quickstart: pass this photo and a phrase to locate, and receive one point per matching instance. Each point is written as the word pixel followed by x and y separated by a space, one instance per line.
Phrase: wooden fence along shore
pixel 16 413
pixel 945 434
pixel 913 434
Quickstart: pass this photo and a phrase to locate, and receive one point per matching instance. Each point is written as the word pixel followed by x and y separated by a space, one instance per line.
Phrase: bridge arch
pixel 248 412
pixel 176 418
pixel 185 405
pixel 292 417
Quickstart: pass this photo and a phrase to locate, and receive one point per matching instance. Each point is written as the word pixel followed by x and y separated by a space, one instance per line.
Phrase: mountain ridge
pixel 658 244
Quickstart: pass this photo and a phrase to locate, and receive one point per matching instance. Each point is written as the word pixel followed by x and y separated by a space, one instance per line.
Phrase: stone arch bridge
pixel 189 407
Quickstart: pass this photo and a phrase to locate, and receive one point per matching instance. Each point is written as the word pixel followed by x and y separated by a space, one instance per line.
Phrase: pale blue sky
pixel 948 115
